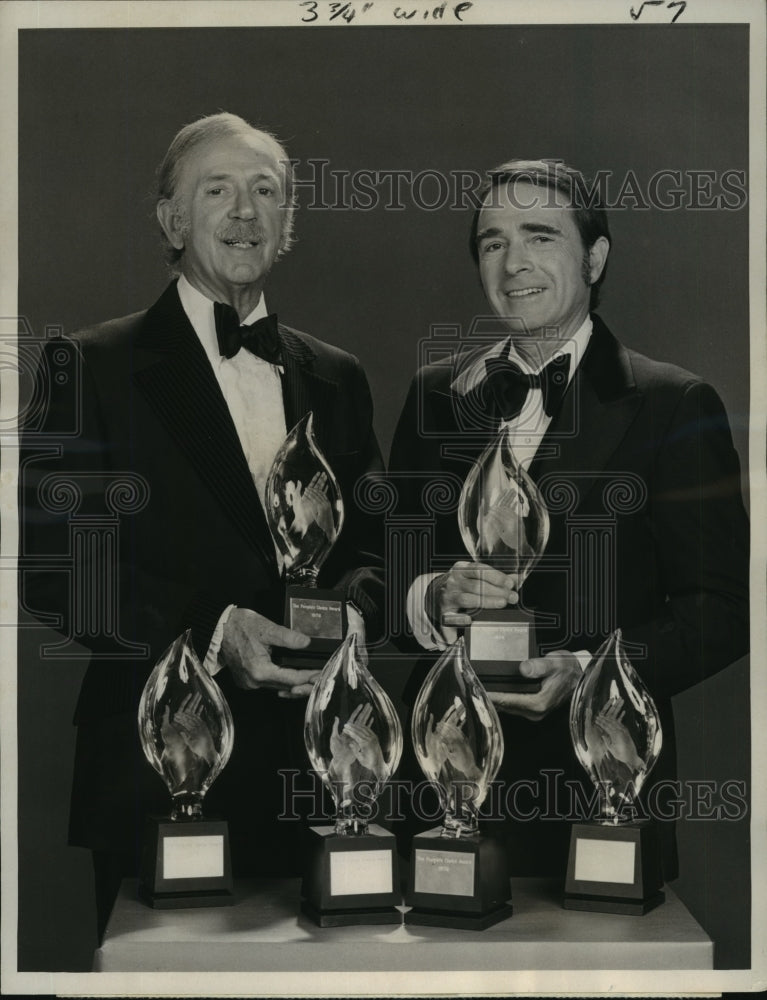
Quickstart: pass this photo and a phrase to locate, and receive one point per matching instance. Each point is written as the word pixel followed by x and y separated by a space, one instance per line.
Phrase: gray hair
pixel 207 129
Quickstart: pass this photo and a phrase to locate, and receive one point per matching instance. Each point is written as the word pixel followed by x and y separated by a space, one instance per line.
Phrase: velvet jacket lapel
pixel 599 407
pixel 304 390
pixel 173 371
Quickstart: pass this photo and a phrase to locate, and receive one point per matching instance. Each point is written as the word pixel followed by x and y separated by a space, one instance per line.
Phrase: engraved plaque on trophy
pixel 354 741
pixel 614 862
pixel 187 734
pixel 459 875
pixel 505 524
pixel 305 513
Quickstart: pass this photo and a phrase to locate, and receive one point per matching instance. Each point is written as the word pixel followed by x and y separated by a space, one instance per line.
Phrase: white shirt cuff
pixel 211 663
pixel 424 631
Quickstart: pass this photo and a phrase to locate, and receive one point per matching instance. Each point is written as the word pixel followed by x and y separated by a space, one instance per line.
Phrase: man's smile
pixel 518 293
pixel 242 244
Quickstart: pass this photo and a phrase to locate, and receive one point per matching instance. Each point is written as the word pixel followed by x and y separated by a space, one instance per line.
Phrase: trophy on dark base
pixel 459 876
pixel 354 741
pixel 504 523
pixel 614 862
pixel 186 732
pixel 305 513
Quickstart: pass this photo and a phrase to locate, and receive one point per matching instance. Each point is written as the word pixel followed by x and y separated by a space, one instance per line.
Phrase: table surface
pixel 264 931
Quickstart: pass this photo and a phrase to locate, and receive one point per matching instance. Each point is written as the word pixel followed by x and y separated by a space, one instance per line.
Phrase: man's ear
pixel 171 222
pixel 598 258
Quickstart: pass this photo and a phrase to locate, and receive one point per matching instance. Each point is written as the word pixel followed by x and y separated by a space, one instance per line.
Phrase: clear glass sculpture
pixel 185 727
pixel 615 730
pixel 457 738
pixel 353 736
pixel 303 504
pixel 501 514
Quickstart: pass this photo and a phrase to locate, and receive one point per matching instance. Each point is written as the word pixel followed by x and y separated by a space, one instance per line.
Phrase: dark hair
pixel 590 215
pixel 206 129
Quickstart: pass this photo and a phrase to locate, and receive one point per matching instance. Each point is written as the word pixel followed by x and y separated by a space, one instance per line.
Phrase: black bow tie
pixel 508 385
pixel 260 338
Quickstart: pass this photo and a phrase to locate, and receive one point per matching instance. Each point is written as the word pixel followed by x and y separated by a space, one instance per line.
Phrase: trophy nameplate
pixel 497 642
pixel 614 869
pixel 351 879
pixel 186 864
pixel 458 882
pixel 320 614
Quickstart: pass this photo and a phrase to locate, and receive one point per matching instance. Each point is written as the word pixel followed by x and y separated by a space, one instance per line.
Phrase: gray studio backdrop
pixel 96 111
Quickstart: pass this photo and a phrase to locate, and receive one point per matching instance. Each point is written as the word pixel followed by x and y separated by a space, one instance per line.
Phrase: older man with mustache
pixel 195 396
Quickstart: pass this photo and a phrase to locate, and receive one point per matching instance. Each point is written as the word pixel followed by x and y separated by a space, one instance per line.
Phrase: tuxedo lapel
pixel 304 390
pixel 464 429
pixel 174 374
pixel 598 409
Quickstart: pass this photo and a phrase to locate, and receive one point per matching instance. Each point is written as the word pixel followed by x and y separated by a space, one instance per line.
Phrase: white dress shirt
pixel 251 386
pixel 252 389
pixel 525 431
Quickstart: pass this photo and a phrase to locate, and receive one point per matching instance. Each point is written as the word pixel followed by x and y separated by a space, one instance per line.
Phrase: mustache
pixel 242 232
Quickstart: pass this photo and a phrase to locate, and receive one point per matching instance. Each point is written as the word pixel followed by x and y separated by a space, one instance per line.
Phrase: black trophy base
pixel 352 878
pixel 608 904
pixel 510 683
pixel 320 614
pixel 348 918
pixel 184 900
pixel 462 921
pixel 614 869
pixel 496 643
pixel 458 882
pixel 185 864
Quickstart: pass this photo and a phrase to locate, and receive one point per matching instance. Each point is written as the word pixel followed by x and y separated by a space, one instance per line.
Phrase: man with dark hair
pixel 192 399
pixel 635 460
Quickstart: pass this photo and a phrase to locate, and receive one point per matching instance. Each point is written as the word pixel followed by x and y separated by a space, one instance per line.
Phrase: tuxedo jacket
pixel 153 440
pixel 647 528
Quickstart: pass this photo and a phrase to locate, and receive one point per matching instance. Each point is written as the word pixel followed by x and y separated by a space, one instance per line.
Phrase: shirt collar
pixel 470 376
pixel 199 311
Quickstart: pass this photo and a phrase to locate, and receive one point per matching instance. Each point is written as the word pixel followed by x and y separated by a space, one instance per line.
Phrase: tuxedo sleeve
pixel 73 496
pixel 701 539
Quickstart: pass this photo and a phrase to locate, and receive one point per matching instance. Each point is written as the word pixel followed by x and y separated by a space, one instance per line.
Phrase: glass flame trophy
pixel 354 741
pixel 458 876
pixel 186 731
pixel 614 862
pixel 305 513
pixel 503 522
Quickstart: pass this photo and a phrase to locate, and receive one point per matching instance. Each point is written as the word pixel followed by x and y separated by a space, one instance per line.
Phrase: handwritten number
pixel 312 12
pixel 681 4
pixel 341 10
pixel 647 3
